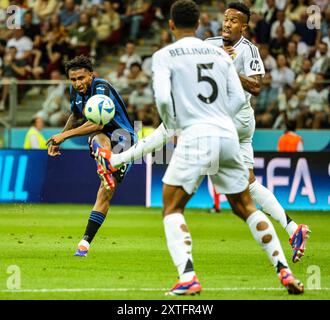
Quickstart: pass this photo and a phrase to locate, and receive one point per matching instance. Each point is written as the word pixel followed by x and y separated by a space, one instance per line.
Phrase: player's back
pixel 199 83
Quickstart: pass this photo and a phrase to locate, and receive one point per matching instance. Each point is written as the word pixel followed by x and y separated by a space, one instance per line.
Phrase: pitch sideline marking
pixel 143 289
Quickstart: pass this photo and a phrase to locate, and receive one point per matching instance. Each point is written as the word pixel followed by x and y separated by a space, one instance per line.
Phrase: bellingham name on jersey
pixel 192 51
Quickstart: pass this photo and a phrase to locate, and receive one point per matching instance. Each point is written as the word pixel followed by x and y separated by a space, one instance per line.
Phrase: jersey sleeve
pixel 102 88
pixel 161 75
pixel 253 64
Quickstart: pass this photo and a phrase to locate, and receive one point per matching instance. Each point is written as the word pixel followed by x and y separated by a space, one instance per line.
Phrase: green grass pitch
pixel 129 258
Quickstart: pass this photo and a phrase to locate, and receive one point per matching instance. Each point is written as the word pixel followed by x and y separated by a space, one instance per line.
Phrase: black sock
pixel 94 223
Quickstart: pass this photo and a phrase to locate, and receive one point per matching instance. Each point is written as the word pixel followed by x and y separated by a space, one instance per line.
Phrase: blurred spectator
pixel 326 40
pixel 12 68
pixel 308 35
pixel 316 106
pixel 56 108
pixel 55 29
pixel 290 141
pixel 147 61
pixel 68 15
pixel 305 79
pixel 266 103
pixel 22 43
pixel 165 37
pixel 134 15
pixel 54 53
pixel 82 38
pixel 287 24
pixel 325 23
pixel 295 8
pixel 31 30
pixel 206 24
pixel 282 74
pixel 34 138
pixel 118 78
pixel 221 8
pixel 263 25
pixel 268 60
pixel 162 9
pixel 302 48
pixel 294 61
pixel 141 96
pixel 279 44
pixel 130 56
pixel 107 22
pixel 208 34
pixel 148 115
pixel 288 107
pixel 280 4
pixel 136 76
pixel 322 60
pixel 44 9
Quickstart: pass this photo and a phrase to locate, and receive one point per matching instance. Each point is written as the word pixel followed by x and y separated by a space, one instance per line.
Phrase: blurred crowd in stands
pixel 293 37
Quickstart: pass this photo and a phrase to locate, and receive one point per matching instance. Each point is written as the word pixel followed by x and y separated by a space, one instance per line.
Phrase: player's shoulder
pixel 217 41
pixel 249 47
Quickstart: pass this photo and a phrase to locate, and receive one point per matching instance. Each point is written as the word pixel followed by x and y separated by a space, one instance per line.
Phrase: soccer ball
pixel 100 109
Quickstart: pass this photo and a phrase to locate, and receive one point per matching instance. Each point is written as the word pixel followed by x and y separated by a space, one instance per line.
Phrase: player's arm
pixel 73 121
pixel 251 84
pixel 253 71
pixel 161 79
pixel 85 129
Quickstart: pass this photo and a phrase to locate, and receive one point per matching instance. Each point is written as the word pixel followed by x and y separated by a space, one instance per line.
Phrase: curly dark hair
pixel 79 62
pixel 241 7
pixel 185 13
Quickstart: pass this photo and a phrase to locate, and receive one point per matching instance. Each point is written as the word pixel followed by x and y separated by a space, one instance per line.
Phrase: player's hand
pixel 54 150
pixel 57 139
pixel 230 50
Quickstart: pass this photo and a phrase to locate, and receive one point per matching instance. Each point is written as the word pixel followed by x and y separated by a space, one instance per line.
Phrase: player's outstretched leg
pixel 101 205
pixel 265 234
pixel 298 233
pixel 179 241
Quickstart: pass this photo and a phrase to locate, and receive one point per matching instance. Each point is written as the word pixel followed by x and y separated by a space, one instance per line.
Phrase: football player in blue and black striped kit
pixel 115 137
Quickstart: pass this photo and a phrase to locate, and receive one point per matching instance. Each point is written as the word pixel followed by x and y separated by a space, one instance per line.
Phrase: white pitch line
pixel 143 289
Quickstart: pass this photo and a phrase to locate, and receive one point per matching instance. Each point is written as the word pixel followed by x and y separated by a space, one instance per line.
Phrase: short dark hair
pixel 79 62
pixel 241 7
pixel 185 13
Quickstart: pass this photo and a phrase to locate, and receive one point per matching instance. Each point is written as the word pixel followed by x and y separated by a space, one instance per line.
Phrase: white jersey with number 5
pixel 196 83
pixel 248 62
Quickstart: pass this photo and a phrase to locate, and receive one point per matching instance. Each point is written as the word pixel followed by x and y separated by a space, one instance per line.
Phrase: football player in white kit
pixel 250 69
pixel 198 92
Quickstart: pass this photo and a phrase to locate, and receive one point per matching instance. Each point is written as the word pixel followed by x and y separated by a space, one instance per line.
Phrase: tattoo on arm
pixel 251 84
pixel 74 121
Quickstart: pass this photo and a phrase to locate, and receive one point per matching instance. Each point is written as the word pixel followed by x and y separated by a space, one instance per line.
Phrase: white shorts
pixel 218 157
pixel 245 133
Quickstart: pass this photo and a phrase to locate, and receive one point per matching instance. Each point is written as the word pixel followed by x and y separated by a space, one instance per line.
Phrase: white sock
pixel 264 233
pixel 151 143
pixel 269 204
pixel 291 228
pixel 84 243
pixel 179 244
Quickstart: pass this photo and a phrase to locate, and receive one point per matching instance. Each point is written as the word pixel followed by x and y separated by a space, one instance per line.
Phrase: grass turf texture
pixel 129 258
